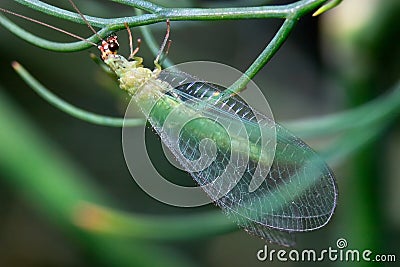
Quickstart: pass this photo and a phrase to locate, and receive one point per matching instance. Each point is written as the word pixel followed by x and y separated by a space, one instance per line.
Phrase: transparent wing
pixel 298 193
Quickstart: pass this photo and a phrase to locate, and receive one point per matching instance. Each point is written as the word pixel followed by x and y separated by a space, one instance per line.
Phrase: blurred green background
pixel 51 164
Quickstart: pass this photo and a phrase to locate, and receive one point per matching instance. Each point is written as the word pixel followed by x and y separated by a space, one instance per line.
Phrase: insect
pixel 297 191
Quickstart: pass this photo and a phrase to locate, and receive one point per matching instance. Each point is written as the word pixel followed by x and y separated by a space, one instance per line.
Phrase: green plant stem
pixel 70 109
pixel 162 13
pixel 158 14
pixel 329 5
pixel 272 47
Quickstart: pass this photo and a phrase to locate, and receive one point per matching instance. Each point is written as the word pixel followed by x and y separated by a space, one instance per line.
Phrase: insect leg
pixel 133 52
pixel 163 45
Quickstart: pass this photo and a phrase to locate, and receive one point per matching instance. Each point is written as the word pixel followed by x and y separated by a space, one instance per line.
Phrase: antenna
pixel 85 20
pixel 48 26
pixel 139 41
pixel 164 43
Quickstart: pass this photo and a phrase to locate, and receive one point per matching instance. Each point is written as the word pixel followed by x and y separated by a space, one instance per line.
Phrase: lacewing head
pixel 109 47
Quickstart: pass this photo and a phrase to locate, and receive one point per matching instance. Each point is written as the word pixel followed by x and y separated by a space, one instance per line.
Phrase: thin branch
pixel 70 109
pixel 326 7
pixel 294 10
pixel 270 50
pixel 162 13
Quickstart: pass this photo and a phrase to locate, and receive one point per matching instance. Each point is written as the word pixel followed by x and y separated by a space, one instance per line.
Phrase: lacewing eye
pixel 113 47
